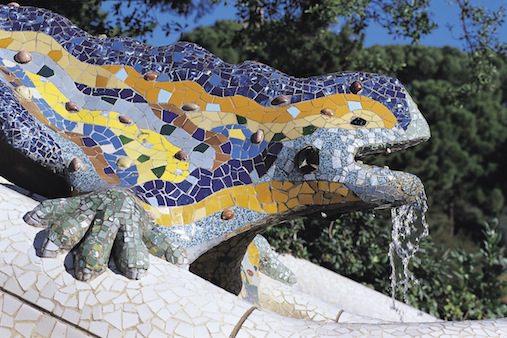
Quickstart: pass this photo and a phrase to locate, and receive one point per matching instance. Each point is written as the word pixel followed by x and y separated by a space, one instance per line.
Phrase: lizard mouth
pixel 379 185
pixel 366 152
pixel 385 187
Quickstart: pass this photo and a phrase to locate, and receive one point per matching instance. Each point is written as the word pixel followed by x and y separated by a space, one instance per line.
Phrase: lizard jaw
pixel 387 187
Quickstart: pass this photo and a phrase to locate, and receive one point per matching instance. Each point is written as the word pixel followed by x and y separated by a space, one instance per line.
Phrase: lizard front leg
pixel 101 225
pixel 98 225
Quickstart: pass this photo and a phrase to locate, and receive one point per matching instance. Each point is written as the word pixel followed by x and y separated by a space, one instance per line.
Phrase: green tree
pixel 459 163
pixel 452 284
pixel 85 14
pixel 291 35
pixel 219 38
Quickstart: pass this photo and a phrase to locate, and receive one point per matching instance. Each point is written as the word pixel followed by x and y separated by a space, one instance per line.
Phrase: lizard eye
pixel 307 160
pixel 358 121
pixel 355 87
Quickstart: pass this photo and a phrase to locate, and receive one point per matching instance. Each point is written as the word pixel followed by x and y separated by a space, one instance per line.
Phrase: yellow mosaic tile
pixel 5 42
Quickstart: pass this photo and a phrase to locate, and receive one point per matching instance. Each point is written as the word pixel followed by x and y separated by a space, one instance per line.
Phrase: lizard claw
pixel 84 274
pixel 135 273
pixel 33 218
pixel 49 249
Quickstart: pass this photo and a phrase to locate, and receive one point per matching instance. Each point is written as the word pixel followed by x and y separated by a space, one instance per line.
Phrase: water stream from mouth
pixel 409 228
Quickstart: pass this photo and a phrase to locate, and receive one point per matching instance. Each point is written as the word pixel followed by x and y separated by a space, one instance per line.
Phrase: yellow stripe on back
pixel 268 197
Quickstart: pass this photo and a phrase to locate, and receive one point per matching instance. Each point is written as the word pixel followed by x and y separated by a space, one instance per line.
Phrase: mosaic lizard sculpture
pixel 173 152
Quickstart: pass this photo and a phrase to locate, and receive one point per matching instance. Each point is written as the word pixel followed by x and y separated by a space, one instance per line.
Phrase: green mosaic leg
pixel 270 264
pixel 119 221
pixel 101 222
pixel 129 251
pixel 92 255
pixel 51 210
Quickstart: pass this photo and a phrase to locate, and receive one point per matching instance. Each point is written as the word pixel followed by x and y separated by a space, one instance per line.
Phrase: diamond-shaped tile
pixel 294 111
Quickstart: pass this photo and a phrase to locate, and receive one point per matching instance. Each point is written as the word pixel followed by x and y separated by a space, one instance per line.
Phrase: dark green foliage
pixel 292 35
pixel 468 126
pixel 85 14
pixel 456 284
pixel 219 39
pixel 354 244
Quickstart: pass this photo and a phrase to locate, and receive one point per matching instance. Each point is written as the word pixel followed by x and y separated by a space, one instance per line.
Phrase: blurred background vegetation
pixel 461 92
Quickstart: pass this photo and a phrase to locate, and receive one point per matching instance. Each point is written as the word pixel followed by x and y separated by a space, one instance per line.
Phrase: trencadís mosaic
pixel 213 152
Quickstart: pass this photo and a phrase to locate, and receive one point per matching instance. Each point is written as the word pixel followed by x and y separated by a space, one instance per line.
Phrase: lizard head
pixel 374 115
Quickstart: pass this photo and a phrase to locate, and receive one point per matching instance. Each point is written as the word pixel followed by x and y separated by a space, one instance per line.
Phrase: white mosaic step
pixel 348 295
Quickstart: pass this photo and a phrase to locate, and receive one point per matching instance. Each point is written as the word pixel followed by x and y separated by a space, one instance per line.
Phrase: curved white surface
pixel 40 298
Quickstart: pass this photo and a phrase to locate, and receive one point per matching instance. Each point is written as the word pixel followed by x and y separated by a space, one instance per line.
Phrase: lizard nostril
pixel 327 112
pixel 258 136
pixel 125 119
pixel 72 107
pixel 76 165
pixel 355 87
pixel 307 160
pixel 124 162
pixel 190 107
pixel 358 121
pixel 227 214
pixel 181 155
